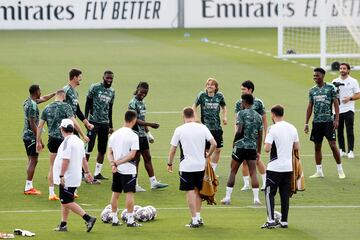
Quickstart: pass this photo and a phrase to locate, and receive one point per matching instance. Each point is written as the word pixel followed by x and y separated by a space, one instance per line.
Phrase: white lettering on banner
pixel 264 13
pixel 67 14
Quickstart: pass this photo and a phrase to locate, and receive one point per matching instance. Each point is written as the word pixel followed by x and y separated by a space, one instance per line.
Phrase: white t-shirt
pixel 72 148
pixel 282 135
pixel 351 87
pixel 192 138
pixel 122 142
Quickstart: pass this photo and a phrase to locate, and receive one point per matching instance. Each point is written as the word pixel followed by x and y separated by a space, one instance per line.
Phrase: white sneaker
pixel 317 175
pixel 245 188
pixel 139 189
pixel 351 154
pixel 225 201
pixel 257 203
pixel 342 154
pixel 341 174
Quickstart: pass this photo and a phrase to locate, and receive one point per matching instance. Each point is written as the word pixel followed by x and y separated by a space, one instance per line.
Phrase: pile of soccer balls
pixel 142 214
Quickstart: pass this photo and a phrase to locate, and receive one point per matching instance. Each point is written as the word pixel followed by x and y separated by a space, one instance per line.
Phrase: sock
pixel 114 217
pixel 86 217
pixel 256 194
pixel 213 165
pixel 28 185
pixel 152 180
pixel 319 168
pixel 339 167
pixel 198 216
pixel 98 168
pixel 246 180
pixel 194 220
pixel 228 192
pixel 130 217
pixel 63 224
pixel 51 191
pixel 263 176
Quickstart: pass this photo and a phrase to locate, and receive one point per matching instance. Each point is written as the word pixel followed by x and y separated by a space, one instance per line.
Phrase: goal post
pixel 330 33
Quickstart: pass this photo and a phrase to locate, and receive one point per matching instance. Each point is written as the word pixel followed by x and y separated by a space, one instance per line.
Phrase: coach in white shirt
pixel 280 141
pixel 123 145
pixel 349 91
pixel 191 137
pixel 67 173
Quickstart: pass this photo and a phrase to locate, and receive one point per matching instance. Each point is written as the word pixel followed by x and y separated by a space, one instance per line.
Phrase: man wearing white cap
pixel 67 174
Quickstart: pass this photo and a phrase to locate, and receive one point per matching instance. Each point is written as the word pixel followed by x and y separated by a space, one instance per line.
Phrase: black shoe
pixel 280 225
pixel 100 177
pixel 192 225
pixel 134 224
pixel 90 224
pixel 116 224
pixel 270 225
pixel 201 222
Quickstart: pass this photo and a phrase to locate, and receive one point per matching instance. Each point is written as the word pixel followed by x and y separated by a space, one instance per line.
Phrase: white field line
pixel 185 208
pixel 267 54
pixel 165 112
pixel 23 158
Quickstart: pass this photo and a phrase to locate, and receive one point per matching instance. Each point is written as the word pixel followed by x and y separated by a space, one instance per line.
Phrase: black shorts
pixel 143 144
pixel 123 183
pixel 218 136
pixel 30 147
pixel 54 144
pixel 102 131
pixel 321 130
pixel 66 194
pixel 191 180
pixel 241 154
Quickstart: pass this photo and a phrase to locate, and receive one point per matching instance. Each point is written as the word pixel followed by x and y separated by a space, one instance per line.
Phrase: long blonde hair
pixel 213 80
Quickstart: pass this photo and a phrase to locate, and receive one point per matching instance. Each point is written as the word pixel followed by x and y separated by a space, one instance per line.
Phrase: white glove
pixel 150 137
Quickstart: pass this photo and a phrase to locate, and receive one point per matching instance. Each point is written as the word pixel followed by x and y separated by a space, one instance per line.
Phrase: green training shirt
pixel 251 123
pixel 102 98
pixel 258 106
pixel 53 114
pixel 139 107
pixel 210 109
pixel 322 100
pixel 31 110
pixel 71 97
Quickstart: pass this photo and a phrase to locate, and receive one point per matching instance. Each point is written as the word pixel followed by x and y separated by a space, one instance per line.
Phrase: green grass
pixel 176 68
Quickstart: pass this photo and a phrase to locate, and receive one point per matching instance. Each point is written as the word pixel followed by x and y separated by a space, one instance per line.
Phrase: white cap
pixel 67 123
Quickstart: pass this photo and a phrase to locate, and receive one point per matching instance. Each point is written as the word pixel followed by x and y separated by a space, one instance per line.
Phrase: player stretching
pixel 247 147
pixel 141 128
pixel 99 104
pixel 322 97
pixel 210 101
pixel 247 87
pixel 31 117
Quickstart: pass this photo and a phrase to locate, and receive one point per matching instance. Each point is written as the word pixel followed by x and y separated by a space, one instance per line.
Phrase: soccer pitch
pixel 176 67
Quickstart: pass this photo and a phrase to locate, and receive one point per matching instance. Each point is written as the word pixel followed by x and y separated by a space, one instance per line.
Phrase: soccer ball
pixel 277 216
pixel 124 212
pixel 136 207
pixel 105 215
pixel 153 212
pixel 123 215
pixel 143 214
